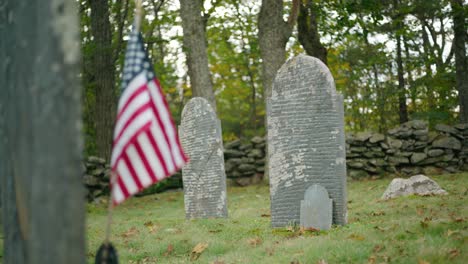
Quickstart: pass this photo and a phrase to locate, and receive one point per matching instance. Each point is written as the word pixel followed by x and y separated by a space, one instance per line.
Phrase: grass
pixel 153 229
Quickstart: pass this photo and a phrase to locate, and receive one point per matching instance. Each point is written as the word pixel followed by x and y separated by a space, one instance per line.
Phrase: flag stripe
pixel 141 123
pixel 134 85
pixel 151 155
pixel 145 162
pixel 139 96
pixel 122 186
pixel 126 176
pixel 158 151
pixel 130 100
pixel 131 169
pixel 137 114
pixel 117 194
pixel 140 169
pixel 160 102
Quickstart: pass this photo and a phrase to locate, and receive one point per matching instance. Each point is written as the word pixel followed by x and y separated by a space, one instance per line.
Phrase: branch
pixel 294 13
pixel 121 23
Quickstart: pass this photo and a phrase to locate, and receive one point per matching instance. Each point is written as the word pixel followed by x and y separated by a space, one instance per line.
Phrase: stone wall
pixel 245 162
pixel 408 149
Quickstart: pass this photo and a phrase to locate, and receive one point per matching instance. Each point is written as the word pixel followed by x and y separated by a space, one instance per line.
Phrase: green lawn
pixel 153 229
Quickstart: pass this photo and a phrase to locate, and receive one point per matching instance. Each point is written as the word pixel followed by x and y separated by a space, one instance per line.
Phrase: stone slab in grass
pixel 416 185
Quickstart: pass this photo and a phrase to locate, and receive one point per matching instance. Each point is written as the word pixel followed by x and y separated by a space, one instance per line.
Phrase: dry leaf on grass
pixel 169 250
pixel 378 248
pixel 422 261
pixel 356 237
pixel 254 241
pixel 371 259
pixel 453 253
pixel 197 250
pixel 265 215
pixel 130 232
pixel 322 261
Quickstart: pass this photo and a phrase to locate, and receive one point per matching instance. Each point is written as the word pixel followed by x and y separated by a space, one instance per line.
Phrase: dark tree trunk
pixel 402 110
pixel 308 31
pixel 40 132
pixel 104 76
pixel 273 33
pixel 461 64
pixel 195 49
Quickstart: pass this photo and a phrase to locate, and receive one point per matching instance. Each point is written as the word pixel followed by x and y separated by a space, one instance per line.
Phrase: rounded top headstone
pixel 198 106
pixel 315 192
pixel 301 70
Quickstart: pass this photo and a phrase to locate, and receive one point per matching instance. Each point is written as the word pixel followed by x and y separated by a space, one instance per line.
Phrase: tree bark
pixel 40 133
pixel 273 33
pixel 104 76
pixel 308 33
pixel 461 64
pixel 195 45
pixel 403 112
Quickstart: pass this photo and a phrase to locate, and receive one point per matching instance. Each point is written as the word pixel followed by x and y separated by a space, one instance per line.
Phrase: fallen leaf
pixel 310 229
pixel 254 241
pixel 322 261
pixel 130 232
pixel 458 219
pixel 356 237
pixel 215 231
pixel 420 211
pixel 378 248
pixel 450 232
pixel 379 213
pixel 169 250
pixel 424 224
pixel 265 215
pixel 383 229
pixel 295 262
pixel 453 253
pixel 371 259
pixel 197 250
pixel 422 261
pixel 270 251
pixel 149 223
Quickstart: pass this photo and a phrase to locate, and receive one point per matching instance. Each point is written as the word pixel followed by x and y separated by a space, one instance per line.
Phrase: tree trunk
pixel 104 76
pixel 403 112
pixel 40 132
pixel 273 33
pixel 308 31
pixel 461 64
pixel 195 49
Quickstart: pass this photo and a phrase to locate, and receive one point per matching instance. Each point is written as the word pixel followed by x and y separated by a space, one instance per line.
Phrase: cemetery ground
pixel 153 229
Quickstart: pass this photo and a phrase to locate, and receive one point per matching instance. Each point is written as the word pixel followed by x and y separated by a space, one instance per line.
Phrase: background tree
pixel 308 33
pixel 460 40
pixel 194 25
pixel 103 75
pixel 273 33
pixel 40 124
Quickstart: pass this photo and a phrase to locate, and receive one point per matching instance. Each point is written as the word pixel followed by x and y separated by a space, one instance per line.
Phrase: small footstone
pixel 316 208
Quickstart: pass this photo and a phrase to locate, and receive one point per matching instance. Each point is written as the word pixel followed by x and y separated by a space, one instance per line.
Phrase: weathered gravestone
pixel 316 208
pixel 204 178
pixel 306 143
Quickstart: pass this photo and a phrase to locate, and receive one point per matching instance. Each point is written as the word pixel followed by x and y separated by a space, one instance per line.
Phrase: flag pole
pixel 138 14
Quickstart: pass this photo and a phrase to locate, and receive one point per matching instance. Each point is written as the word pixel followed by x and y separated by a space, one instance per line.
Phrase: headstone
pixel 203 177
pixel 316 208
pixel 306 143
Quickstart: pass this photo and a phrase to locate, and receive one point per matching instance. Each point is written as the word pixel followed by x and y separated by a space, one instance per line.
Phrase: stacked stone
pixel 408 149
pixel 245 162
pixel 96 177
pixel 365 154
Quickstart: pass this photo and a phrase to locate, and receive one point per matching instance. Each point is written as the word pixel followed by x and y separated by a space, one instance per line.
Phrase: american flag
pixel 146 147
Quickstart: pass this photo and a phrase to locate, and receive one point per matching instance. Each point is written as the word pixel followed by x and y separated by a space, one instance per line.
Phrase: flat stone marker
pixel 203 177
pixel 316 208
pixel 306 143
